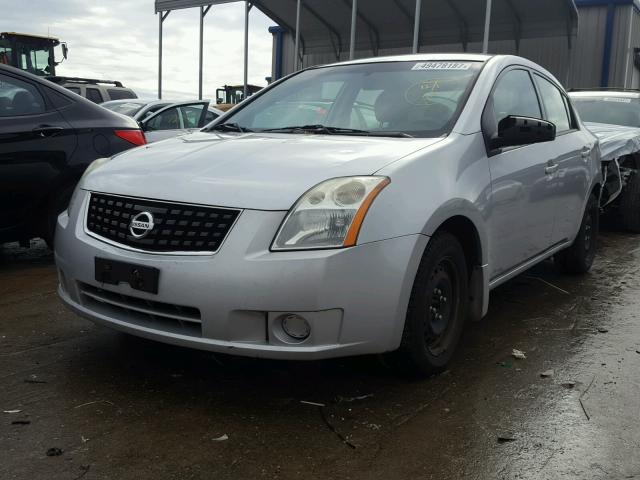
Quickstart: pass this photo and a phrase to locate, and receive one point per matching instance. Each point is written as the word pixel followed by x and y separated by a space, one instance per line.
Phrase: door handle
pixel 551 168
pixel 47 130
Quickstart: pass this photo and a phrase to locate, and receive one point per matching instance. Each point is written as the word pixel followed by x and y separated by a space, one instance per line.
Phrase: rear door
pixel 522 201
pixel 570 181
pixel 36 144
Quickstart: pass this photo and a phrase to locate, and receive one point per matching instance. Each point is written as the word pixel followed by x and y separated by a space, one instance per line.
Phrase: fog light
pixel 295 326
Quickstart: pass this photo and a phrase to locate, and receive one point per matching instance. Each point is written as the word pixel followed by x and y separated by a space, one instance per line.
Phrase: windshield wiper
pixel 301 128
pixel 230 127
pixel 335 131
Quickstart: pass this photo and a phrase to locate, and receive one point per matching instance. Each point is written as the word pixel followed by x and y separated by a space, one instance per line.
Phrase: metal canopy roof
pixel 337 26
pixel 325 24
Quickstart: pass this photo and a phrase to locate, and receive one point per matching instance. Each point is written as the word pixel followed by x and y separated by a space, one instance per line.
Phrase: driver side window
pixel 515 95
pixel 167 120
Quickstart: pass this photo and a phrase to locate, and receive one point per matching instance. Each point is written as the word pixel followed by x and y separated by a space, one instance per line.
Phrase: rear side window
pixel 167 120
pixel 94 95
pixel 515 95
pixel 554 104
pixel 120 94
pixel 191 115
pixel 19 98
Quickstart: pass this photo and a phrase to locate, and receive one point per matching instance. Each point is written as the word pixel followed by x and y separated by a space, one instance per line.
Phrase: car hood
pixel 256 171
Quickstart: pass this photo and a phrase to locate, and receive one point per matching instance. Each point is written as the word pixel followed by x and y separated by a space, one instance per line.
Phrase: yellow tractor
pixel 32 53
pixel 230 95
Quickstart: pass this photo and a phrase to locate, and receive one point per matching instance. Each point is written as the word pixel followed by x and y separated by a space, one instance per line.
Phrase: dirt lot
pixel 118 407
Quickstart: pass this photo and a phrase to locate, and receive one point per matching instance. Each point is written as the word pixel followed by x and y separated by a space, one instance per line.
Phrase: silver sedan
pixel 364 207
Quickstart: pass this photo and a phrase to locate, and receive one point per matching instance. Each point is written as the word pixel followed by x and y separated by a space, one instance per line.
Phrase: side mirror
pixel 65 50
pixel 514 131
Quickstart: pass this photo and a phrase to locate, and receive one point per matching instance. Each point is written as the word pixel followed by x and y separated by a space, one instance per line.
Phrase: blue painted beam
pixel 608 40
pixel 278 31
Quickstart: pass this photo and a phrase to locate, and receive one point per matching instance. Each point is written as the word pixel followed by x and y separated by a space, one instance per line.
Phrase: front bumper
pixel 355 299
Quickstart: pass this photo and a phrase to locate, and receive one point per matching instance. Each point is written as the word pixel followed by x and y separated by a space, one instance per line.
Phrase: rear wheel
pixel 437 308
pixel 579 257
pixel 630 204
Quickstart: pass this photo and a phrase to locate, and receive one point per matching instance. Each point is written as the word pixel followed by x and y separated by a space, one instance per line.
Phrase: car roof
pixel 605 93
pixel 142 101
pixel 78 99
pixel 42 81
pixel 420 57
pixel 153 101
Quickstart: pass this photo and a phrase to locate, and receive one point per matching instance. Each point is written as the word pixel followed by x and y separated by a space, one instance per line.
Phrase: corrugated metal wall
pixel 580 67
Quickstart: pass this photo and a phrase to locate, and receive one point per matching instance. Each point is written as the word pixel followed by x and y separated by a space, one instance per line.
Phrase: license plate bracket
pixel 139 277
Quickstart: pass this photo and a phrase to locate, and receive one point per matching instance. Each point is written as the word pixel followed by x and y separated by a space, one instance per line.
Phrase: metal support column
pixel 629 55
pixel 203 12
pixel 416 27
pixel 247 7
pixel 296 48
pixel 354 17
pixel 161 18
pixel 487 26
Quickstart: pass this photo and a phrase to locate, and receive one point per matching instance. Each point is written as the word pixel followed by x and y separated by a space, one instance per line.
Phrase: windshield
pixel 613 110
pixel 421 99
pixel 125 108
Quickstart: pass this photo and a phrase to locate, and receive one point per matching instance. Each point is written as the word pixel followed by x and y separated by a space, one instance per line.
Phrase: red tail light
pixel 132 136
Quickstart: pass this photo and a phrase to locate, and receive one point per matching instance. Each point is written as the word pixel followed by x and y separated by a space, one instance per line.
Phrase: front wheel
pixel 437 308
pixel 579 257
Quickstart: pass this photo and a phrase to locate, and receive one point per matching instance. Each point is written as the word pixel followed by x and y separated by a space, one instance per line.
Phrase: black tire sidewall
pixel 413 347
pixel 576 258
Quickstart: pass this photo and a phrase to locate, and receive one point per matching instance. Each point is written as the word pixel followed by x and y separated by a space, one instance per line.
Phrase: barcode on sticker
pixel 441 66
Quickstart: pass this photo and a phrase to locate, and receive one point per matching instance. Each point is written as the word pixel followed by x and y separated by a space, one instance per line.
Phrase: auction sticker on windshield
pixel 441 66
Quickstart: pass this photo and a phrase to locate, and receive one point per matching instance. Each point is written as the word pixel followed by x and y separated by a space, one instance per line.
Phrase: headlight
pixel 329 215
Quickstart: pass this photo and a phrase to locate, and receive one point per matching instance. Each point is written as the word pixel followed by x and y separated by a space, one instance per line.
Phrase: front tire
pixel 437 308
pixel 579 257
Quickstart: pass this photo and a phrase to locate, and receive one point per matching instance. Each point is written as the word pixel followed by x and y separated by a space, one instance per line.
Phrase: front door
pixel 522 203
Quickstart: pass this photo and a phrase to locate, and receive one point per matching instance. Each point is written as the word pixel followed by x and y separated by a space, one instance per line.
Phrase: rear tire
pixel 630 204
pixel 57 204
pixel 437 308
pixel 579 257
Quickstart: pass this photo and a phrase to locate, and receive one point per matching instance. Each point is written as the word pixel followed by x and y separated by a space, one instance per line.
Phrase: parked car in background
pixel 614 116
pixel 137 108
pixel 612 106
pixel 98 91
pixel 48 137
pixel 178 119
pixel 300 226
